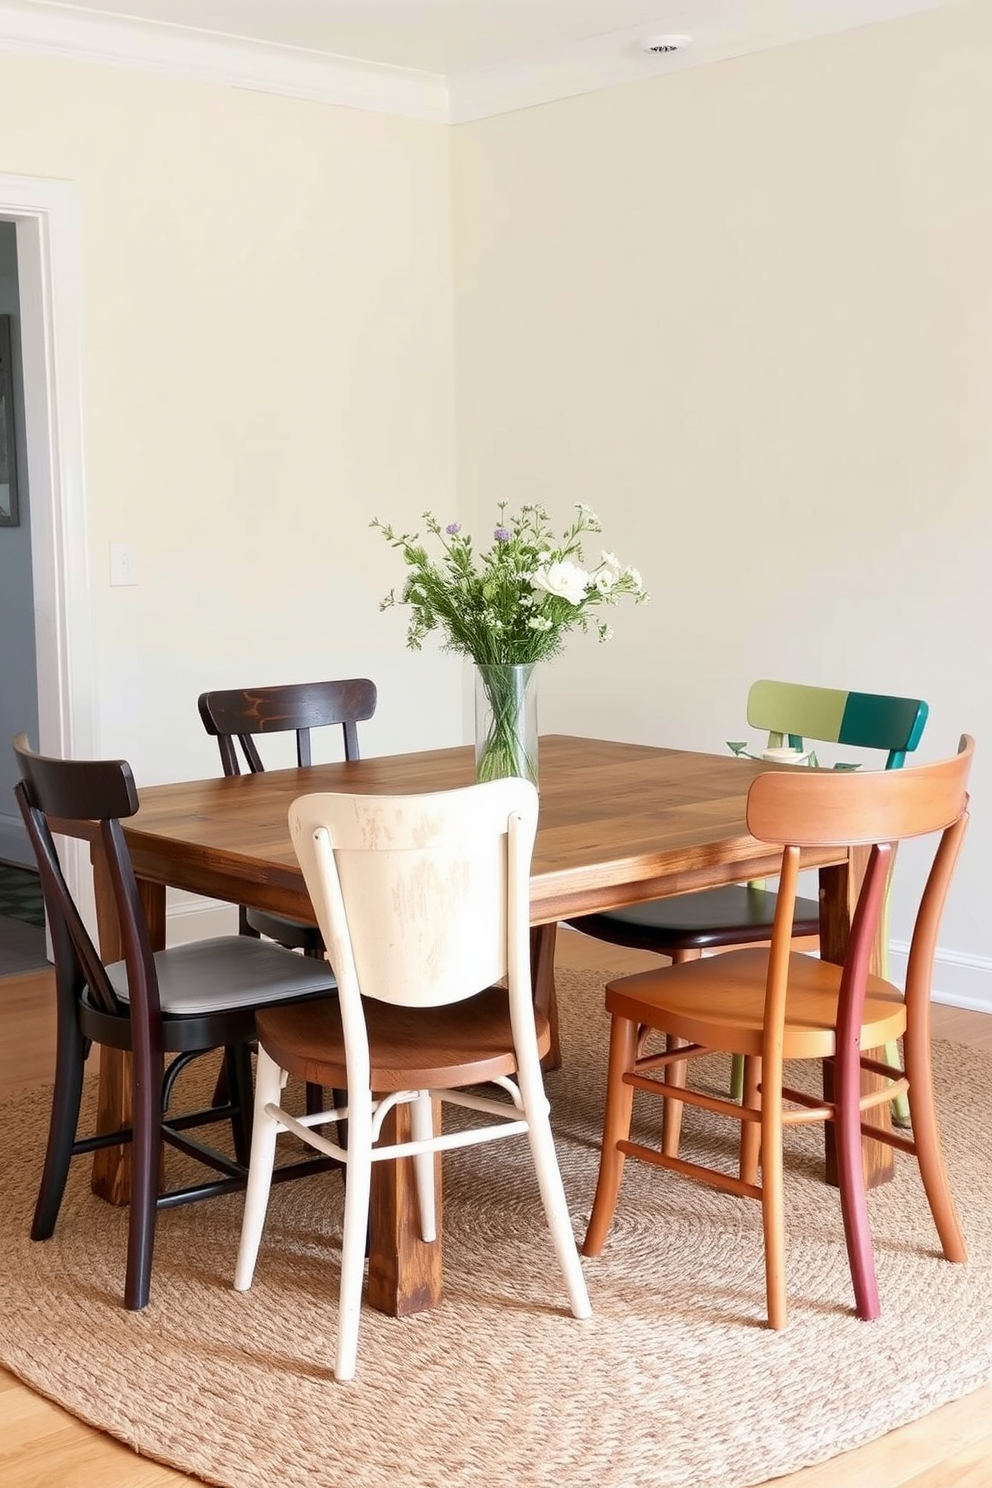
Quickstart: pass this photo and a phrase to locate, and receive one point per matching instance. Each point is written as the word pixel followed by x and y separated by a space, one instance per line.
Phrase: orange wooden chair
pixel 773 1004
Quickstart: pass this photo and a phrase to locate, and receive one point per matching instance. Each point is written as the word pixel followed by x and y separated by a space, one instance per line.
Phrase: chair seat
pixel 719 1002
pixel 733 915
pixel 286 931
pixel 464 1043
pixel 231 971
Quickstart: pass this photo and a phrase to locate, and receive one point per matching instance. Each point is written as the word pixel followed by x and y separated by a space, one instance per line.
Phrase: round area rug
pixel 674 1382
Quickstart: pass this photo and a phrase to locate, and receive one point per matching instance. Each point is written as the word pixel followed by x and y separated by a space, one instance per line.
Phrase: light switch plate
pixel 123 563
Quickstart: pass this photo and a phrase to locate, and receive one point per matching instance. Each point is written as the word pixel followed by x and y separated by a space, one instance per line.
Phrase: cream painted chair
pixel 423 904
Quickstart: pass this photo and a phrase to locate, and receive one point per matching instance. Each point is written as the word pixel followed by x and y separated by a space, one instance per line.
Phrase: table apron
pixel 551 899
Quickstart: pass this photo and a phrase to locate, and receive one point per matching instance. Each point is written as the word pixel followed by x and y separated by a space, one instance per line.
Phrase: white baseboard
pixel 959 980
pixel 189 917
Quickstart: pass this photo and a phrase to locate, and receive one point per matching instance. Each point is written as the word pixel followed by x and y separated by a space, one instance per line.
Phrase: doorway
pixel 18 671
pixel 43 215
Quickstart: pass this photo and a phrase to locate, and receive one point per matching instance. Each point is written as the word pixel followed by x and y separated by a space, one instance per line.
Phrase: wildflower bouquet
pixel 514 603
pixel 508 606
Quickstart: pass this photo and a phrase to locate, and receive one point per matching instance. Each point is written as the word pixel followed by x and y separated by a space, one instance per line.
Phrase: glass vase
pixel 506 722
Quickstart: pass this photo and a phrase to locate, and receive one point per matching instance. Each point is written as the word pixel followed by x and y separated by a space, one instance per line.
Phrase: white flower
pixel 539 622
pixel 611 560
pixel 604 579
pixel 565 580
pixel 634 577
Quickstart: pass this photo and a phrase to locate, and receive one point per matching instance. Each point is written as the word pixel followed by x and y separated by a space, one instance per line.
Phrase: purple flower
pixel 452 528
pixel 502 534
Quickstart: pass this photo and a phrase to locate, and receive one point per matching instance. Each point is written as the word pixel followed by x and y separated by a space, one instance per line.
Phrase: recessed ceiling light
pixel 658 46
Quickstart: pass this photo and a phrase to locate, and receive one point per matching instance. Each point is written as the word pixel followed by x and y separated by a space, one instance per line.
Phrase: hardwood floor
pixel 43 1447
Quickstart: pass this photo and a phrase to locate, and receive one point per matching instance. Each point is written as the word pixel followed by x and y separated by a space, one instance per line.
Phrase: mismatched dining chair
pixel 237 717
pixel 424 904
pixel 182 1002
pixel 685 926
pixel 770 1005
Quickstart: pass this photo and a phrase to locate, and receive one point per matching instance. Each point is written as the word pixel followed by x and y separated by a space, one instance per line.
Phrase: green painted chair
pixel 742 914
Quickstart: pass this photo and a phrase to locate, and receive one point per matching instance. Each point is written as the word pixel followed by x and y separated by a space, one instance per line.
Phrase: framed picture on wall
pixel 9 515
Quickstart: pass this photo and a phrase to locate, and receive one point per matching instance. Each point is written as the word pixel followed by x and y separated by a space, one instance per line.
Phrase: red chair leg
pixel 851 1180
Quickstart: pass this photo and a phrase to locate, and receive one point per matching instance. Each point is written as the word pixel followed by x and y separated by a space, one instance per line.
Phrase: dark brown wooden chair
pixel 237 716
pixel 181 1002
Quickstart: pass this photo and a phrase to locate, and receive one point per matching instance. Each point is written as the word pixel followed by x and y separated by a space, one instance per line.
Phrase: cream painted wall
pixel 745 312
pixel 268 361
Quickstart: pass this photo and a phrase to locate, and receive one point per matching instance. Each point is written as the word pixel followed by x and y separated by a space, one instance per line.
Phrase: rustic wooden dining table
pixel 619 824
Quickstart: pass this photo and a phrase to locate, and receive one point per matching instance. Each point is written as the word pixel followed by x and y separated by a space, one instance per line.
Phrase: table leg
pixel 111 1177
pixel 542 975
pixel 405 1272
pixel 838 895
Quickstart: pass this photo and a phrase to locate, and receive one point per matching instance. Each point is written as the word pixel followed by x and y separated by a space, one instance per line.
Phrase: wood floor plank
pixel 42 1446
pixel 27 1019
pixel 909 1455
pixel 968 1468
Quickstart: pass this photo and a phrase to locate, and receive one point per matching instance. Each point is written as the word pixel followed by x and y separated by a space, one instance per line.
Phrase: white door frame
pixel 48 266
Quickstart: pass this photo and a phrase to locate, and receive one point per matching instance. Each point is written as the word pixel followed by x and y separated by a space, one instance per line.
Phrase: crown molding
pixel 177 51
pixel 720 30
pixel 726 29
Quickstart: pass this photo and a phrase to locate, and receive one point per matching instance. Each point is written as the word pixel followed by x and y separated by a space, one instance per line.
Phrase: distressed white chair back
pixel 421 900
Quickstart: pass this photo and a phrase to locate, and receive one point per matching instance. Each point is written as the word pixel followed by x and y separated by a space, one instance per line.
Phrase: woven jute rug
pixel 674 1382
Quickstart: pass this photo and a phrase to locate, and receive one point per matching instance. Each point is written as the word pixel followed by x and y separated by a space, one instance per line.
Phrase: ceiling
pixel 445 59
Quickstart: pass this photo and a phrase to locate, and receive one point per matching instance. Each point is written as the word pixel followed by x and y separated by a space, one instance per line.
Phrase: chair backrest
pixel 237 714
pixel 807 808
pixel 866 720
pixel 86 791
pixel 422 900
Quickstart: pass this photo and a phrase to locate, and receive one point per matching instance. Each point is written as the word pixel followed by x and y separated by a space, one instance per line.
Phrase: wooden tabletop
pixel 618 823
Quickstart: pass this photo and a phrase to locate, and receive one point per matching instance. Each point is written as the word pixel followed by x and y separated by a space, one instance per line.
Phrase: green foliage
pixel 739 748
pixel 514 602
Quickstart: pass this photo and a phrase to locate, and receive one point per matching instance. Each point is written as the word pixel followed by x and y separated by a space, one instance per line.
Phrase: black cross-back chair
pixel 183 1002
pixel 237 716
